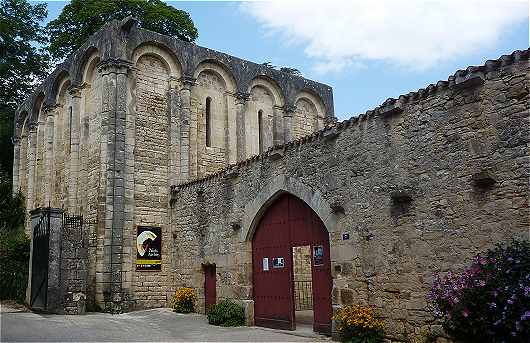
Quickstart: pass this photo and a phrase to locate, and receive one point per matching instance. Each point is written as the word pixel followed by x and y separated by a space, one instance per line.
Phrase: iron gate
pixel 303 295
pixel 39 264
pixel 72 227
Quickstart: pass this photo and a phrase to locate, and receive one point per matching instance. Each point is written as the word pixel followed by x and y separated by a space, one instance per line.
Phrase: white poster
pixel 265 264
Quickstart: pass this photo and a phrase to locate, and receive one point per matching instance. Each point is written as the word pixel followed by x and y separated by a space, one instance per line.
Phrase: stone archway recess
pixel 268 194
pixel 275 210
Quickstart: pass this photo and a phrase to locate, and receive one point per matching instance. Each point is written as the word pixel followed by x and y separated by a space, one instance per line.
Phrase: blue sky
pixel 367 51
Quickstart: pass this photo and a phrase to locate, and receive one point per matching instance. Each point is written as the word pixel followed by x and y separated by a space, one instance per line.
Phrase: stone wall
pixel 404 181
pixel 149 142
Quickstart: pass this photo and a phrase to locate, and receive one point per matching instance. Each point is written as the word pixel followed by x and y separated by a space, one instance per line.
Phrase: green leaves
pixel 82 18
pixel 12 208
pixel 226 313
pixel 14 265
pixel 14 244
pixel 23 64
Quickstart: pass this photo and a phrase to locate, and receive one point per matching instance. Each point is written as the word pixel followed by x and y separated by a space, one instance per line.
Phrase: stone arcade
pixel 239 165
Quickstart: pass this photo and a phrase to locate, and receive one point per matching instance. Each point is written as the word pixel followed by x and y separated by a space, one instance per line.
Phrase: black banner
pixel 149 248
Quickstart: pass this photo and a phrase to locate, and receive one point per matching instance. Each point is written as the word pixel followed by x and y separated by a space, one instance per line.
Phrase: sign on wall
pixel 265 264
pixel 278 262
pixel 149 248
pixel 318 255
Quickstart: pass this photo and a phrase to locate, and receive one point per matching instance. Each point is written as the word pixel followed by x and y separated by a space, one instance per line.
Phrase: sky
pixel 367 50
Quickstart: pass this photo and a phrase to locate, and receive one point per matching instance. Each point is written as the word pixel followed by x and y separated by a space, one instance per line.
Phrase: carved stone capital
pixel 187 81
pixel 289 110
pixel 174 83
pixel 75 91
pixel 32 127
pixel 242 97
pixel 49 110
pixel 114 66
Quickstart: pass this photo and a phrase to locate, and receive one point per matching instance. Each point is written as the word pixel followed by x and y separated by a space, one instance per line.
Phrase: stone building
pixel 238 165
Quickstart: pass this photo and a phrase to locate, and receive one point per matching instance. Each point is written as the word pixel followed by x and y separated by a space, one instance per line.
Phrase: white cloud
pixel 413 34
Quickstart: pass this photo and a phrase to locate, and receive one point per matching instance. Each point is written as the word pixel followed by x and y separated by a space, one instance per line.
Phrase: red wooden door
pixel 322 286
pixel 210 292
pixel 287 223
pixel 273 294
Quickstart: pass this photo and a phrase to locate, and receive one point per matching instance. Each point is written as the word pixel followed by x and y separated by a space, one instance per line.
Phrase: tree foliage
pixel 22 64
pixel 82 18
pixel 292 71
pixel 14 244
pixel 11 206
pixel 287 70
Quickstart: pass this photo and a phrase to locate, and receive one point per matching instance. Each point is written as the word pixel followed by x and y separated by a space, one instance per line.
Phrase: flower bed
pixel 357 324
pixel 490 300
pixel 184 300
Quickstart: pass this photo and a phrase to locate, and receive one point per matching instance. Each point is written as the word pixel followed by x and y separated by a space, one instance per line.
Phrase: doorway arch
pixel 287 223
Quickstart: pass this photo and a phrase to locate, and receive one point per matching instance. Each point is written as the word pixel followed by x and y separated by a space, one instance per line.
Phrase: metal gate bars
pixel 39 261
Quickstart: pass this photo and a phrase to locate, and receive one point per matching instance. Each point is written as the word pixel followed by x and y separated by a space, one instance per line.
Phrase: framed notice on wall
pixel 318 255
pixel 149 248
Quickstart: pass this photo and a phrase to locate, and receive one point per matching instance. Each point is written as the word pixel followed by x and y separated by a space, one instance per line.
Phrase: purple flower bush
pixel 490 300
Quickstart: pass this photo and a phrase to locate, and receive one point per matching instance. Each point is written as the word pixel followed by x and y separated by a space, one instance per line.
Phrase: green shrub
pixel 14 244
pixel 14 265
pixel 226 313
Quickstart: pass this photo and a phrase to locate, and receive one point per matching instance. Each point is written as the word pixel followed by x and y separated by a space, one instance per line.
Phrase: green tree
pixel 14 244
pixel 12 207
pixel 82 18
pixel 22 64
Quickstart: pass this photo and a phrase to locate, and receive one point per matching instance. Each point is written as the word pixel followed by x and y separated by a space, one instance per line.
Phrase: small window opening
pixel 260 130
pixel 208 122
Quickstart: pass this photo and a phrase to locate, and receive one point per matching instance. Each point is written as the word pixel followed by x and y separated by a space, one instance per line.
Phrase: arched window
pixel 208 122
pixel 260 130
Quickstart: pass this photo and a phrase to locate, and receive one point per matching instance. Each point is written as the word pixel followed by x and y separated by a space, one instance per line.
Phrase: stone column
pixel 288 112
pixel 48 153
pixel 185 112
pixel 32 152
pixel 241 109
pixel 174 131
pixel 109 282
pixel 75 93
pixel 277 125
pixel 16 164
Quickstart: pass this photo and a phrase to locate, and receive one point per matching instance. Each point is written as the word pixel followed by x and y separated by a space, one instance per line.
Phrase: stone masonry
pixel 137 128
pixel 420 184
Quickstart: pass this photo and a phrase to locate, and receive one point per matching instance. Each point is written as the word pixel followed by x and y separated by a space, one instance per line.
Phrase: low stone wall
pixel 415 188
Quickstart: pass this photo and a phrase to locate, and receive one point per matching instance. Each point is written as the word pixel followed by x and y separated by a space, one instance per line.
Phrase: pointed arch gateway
pixel 286 226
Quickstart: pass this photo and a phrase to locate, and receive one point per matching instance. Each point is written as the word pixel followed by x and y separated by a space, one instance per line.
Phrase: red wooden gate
pixel 287 223
pixel 209 286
